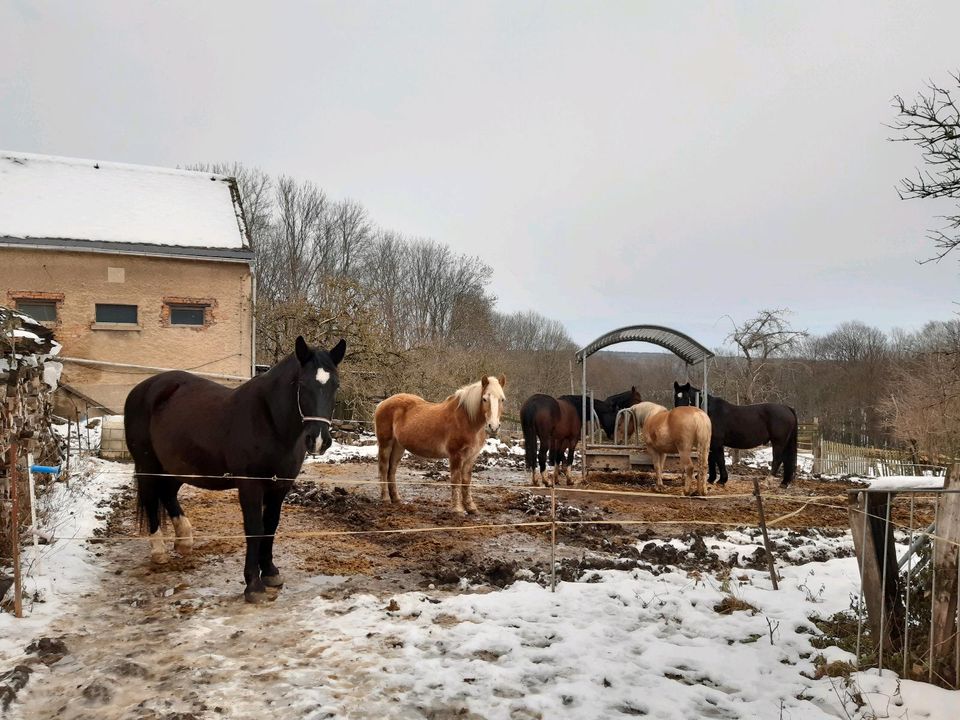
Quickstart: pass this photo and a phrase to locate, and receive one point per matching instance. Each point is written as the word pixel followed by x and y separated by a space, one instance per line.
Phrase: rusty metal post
pixel 766 538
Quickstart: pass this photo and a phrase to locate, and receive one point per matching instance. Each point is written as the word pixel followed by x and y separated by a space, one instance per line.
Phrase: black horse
pixel 607 408
pixel 253 438
pixel 744 427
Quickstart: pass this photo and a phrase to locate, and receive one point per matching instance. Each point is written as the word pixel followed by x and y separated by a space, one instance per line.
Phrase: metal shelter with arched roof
pixel 680 344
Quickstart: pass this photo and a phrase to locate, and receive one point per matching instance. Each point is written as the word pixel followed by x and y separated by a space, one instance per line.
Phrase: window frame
pixel 38 302
pixel 173 307
pixel 116 323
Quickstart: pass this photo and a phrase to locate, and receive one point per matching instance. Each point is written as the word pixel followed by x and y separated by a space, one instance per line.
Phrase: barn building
pixel 135 269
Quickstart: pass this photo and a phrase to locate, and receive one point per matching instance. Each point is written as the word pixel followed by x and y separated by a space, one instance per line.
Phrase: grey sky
pixel 615 163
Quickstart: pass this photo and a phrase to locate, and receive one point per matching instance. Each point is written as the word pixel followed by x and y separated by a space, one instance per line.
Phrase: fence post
pixel 876 556
pixel 15 531
pixel 945 551
pixel 763 529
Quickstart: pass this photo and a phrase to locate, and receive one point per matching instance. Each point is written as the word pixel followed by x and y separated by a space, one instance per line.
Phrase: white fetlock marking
pixel 184 534
pixel 158 551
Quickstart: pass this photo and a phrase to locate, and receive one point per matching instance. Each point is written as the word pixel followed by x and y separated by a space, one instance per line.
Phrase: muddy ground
pixel 170 642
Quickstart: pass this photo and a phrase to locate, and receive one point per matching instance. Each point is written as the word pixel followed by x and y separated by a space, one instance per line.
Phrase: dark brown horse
pixel 745 427
pixel 554 425
pixel 549 426
pixel 253 438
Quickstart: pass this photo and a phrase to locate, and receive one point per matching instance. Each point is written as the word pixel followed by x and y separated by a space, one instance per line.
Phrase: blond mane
pixel 641 411
pixel 469 397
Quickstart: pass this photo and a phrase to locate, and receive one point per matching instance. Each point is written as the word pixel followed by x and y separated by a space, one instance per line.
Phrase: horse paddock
pixel 178 641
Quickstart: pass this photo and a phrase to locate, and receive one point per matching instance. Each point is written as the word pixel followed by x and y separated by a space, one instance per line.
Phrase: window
pixel 119 314
pixel 39 310
pixel 186 314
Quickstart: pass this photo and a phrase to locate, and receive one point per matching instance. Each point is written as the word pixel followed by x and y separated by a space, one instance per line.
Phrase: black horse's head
pixel 316 389
pixel 685 394
pixel 625 399
pixel 607 415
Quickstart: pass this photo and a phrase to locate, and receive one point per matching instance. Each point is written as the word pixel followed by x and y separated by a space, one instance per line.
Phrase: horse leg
pixel 658 459
pixel 542 452
pixel 567 464
pixel 183 530
pixel 721 462
pixel 686 468
pixel 456 499
pixel 148 499
pixel 777 460
pixel 396 454
pixel 272 502
pixel 383 465
pixel 251 502
pixel 466 477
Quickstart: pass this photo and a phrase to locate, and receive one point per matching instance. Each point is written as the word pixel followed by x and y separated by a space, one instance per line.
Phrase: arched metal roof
pixel 683 346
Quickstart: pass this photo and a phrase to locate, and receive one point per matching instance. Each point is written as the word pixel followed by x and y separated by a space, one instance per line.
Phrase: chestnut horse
pixel 454 428
pixel 680 430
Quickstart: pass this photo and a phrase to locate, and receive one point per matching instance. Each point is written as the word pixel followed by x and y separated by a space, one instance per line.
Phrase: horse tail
pixel 528 422
pixel 704 431
pixel 790 451
pixel 136 427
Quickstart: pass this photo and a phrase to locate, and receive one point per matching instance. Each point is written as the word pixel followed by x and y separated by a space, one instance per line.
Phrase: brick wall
pixel 77 281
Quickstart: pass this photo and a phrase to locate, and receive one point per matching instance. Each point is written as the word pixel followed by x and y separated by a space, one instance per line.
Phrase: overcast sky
pixel 616 163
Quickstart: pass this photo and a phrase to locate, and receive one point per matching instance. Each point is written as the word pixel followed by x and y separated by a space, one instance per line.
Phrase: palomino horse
pixel 454 428
pixel 680 430
pixel 744 427
pixel 183 429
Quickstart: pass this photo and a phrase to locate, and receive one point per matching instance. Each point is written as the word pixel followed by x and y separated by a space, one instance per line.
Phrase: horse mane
pixel 641 411
pixel 470 396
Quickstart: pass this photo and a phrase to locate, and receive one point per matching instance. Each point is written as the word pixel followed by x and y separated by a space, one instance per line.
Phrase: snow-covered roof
pixel 114 207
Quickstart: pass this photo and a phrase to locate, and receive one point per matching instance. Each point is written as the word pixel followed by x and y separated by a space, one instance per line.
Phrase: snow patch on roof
pixel 43 196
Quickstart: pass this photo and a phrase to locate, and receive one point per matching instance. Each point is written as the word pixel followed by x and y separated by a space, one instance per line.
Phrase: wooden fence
pixel 835 458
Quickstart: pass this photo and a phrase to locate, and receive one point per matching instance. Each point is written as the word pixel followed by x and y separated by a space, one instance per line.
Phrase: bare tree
pixel 758 340
pixel 932 123
pixel 922 407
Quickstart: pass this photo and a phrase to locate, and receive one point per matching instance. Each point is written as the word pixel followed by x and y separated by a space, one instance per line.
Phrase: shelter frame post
pixel 583 423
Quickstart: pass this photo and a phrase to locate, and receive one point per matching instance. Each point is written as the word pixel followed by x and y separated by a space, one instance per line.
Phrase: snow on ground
pixel 366 449
pixel 761 457
pixel 55 575
pixel 623 644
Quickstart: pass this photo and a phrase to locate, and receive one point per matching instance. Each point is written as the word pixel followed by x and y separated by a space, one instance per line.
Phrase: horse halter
pixel 309 418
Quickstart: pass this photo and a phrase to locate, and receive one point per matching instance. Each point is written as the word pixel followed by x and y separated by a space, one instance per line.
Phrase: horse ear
pixel 484 381
pixel 676 386
pixel 336 354
pixel 303 352
pixel 502 380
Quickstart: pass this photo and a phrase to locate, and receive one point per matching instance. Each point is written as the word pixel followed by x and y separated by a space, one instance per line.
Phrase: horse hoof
pixel 472 510
pixel 272 581
pixel 255 598
pixel 183 547
pixel 158 559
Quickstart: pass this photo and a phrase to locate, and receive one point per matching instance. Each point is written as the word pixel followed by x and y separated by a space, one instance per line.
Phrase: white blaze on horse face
pixel 322 376
pixel 493 399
